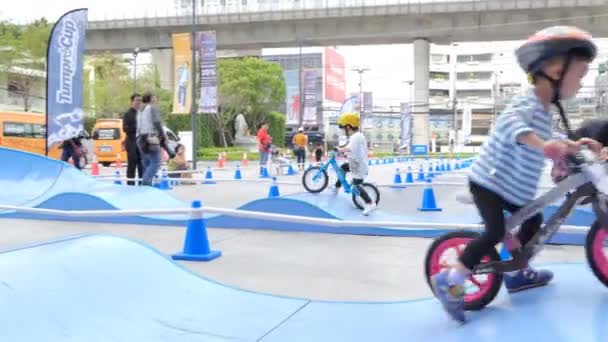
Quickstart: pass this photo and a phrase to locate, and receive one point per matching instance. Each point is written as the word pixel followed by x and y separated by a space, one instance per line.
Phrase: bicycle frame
pixel 521 255
pixel 331 162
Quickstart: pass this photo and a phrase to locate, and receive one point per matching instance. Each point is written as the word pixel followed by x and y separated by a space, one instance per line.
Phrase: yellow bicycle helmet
pixel 348 119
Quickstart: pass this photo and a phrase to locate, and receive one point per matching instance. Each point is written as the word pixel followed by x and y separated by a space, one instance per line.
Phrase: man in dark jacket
pixel 129 126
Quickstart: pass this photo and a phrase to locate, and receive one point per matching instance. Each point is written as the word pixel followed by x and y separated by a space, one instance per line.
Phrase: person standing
pixel 300 142
pixel 265 143
pixel 150 137
pixel 129 126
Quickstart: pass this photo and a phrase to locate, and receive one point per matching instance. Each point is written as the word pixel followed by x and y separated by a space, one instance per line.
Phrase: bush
pixel 181 122
pixel 232 153
pixel 89 122
pixel 276 128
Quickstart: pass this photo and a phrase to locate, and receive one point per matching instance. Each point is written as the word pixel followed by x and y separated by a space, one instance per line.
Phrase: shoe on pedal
pixel 368 208
pixel 450 296
pixel 526 279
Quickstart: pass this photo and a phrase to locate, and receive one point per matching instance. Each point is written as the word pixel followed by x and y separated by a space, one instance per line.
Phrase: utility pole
pixel 135 53
pixel 193 109
pixel 360 71
pixel 301 89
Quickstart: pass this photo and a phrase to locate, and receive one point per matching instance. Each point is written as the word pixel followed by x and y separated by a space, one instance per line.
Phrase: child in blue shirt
pixel 506 174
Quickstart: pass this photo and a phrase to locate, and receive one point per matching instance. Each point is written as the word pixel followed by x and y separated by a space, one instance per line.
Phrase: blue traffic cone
pixel 196 243
pixel 409 178
pixel 274 189
pixel 117 174
pixel 428 199
pixel 397 182
pixel 290 170
pixel 448 166
pixel 369 162
pixel 456 166
pixel 208 177
pixel 420 177
pixel 164 181
pixel 430 174
pixel 237 173
pixel 264 172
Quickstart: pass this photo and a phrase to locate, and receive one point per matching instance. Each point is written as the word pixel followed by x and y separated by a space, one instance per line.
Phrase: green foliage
pixel 276 128
pixel 89 122
pixel 108 95
pixel 181 122
pixel 232 153
pixel 149 80
pixel 250 86
pixel 23 47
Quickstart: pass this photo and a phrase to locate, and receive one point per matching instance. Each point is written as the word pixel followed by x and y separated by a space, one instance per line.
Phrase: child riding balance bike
pixel 505 176
pixel 357 152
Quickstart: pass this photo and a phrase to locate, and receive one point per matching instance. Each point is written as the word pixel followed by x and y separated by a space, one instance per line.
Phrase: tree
pixel 23 56
pixel 149 80
pixel 108 93
pixel 250 86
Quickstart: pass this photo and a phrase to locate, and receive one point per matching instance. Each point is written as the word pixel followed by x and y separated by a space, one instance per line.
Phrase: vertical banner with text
pixel 65 55
pixel 182 61
pixel 207 44
pixel 310 97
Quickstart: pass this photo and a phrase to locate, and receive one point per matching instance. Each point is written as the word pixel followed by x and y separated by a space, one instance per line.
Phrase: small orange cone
pixel 245 160
pixel 94 166
pixel 118 161
pixel 220 160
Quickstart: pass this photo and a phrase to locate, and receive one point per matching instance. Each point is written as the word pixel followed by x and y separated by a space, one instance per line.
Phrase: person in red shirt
pixel 264 144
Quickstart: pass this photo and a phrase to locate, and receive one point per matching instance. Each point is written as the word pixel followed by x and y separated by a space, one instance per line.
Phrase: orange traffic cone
pixel 94 166
pixel 118 161
pixel 220 160
pixel 245 160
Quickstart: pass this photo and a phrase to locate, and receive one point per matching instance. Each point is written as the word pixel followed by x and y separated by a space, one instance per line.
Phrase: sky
pixel 391 65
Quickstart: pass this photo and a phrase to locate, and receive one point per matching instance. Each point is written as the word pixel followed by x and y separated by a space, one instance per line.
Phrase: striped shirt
pixel 510 169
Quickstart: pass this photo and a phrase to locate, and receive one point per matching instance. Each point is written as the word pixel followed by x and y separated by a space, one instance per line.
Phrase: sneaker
pixel 368 208
pixel 450 296
pixel 527 279
pixel 335 190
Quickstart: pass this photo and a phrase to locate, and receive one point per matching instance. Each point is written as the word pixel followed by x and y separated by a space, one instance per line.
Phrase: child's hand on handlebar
pixel 593 145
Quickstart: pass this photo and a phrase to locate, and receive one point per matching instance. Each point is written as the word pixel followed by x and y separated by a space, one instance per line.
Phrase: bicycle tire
pixel 597 267
pixel 374 193
pixel 494 287
pixel 325 179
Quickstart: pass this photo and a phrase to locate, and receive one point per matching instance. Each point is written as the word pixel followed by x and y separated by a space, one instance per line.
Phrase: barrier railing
pixel 196 212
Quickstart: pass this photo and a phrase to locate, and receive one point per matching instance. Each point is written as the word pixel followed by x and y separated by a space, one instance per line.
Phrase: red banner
pixel 335 83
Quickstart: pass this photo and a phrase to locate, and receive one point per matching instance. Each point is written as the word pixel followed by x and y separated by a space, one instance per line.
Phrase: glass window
pixel 106 134
pixel 23 130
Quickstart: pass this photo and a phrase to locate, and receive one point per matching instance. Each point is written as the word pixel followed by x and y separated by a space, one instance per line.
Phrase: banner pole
pixel 193 118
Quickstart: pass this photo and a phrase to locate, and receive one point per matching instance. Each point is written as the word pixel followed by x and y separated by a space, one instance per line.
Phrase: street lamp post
pixel 193 118
pixel 361 71
pixel 135 53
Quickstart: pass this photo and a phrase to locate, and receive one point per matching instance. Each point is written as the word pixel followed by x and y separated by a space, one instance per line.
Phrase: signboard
pixel 207 44
pixel 65 55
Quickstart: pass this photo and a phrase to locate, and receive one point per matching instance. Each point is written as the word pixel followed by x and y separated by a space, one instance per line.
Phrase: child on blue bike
pixel 505 175
pixel 357 157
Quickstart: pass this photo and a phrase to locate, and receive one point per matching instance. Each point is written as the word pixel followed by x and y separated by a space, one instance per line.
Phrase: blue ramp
pixel 31 180
pixel 103 288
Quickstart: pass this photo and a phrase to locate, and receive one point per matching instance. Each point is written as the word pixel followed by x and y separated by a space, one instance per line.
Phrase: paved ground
pixel 317 266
